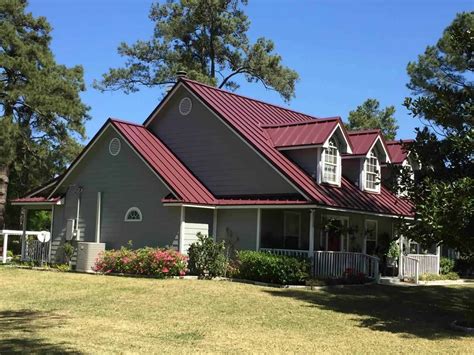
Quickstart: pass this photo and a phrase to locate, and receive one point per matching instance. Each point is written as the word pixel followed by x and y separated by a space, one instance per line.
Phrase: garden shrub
pixel 464 265
pixel 207 257
pixel 435 277
pixel 145 261
pixel 446 266
pixel 266 267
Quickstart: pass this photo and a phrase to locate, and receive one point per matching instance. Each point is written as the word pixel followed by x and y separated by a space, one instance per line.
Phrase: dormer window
pixel 372 173
pixel 331 164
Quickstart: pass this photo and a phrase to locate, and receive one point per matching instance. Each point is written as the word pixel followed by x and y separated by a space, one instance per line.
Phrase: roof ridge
pixel 399 141
pixel 312 121
pixel 248 97
pixel 118 120
pixel 365 131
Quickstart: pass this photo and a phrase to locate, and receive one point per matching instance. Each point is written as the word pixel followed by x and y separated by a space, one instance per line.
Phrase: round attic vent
pixel 114 146
pixel 185 106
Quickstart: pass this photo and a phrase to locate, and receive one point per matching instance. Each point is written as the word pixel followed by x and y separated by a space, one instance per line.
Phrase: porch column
pixel 5 245
pixel 24 219
pixel 214 225
pixel 259 220
pixel 400 259
pixel 181 229
pixel 311 233
pixel 438 254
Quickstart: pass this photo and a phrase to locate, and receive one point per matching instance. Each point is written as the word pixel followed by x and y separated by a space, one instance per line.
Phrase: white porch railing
pixel 287 252
pixel 427 263
pixel 334 264
pixel 410 268
pixel 32 250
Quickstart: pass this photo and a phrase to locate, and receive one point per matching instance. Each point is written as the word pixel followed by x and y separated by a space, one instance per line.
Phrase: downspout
pixel 78 236
pixel 98 217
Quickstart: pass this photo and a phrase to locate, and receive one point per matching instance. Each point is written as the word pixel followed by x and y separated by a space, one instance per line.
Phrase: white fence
pixel 334 264
pixel 410 268
pixel 427 263
pixel 35 250
pixel 31 253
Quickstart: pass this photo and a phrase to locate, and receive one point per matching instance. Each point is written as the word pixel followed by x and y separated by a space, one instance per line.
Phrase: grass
pixel 66 312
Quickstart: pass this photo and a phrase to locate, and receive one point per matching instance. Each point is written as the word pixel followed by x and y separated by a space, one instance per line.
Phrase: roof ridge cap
pixel 248 98
pixel 312 121
pixel 118 120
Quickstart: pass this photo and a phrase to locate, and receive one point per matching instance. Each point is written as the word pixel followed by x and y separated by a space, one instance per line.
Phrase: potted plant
pixel 393 254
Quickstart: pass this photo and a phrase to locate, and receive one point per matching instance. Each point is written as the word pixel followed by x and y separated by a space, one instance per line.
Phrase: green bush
pixel 207 257
pixel 446 266
pixel 266 267
pixel 464 265
pixel 435 277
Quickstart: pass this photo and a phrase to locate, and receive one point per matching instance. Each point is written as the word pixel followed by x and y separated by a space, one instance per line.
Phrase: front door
pixel 334 241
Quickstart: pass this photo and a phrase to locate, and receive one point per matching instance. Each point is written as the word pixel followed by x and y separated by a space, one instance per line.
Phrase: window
pixel 372 173
pixel 292 230
pixel 331 164
pixel 133 215
pixel 370 236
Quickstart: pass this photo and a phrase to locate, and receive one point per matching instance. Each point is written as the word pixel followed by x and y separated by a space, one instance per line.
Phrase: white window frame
pixel 131 209
pixel 332 145
pixel 366 222
pixel 370 156
pixel 285 216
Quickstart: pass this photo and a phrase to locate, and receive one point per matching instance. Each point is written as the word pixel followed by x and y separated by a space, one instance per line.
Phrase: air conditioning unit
pixel 87 254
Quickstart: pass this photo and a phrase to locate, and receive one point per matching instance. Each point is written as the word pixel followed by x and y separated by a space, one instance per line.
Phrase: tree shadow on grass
pixel 20 332
pixel 424 312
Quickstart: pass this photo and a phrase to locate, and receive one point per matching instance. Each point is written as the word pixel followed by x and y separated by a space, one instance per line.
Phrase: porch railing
pixel 427 263
pixel 334 264
pixel 410 268
pixel 287 252
pixel 37 251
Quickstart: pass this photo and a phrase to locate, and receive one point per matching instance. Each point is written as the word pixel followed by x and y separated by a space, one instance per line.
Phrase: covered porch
pixel 336 242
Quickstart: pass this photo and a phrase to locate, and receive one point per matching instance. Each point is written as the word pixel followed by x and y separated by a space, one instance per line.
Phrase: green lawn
pixel 61 312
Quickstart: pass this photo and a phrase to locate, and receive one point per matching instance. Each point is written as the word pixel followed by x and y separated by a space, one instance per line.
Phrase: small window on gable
pixel 331 164
pixel 133 215
pixel 372 173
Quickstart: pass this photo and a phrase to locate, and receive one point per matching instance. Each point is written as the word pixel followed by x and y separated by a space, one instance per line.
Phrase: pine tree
pixel 207 39
pixel 42 114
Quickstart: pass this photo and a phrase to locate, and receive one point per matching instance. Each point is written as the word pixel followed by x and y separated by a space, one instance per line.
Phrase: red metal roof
pixel 314 132
pixel 248 118
pixel 183 183
pixel 39 200
pixel 362 141
pixel 396 150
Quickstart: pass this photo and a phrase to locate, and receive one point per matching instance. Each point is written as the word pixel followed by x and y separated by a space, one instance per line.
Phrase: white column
pixel 400 259
pixel 311 233
pixel 259 219
pixel 98 217
pixel 181 229
pixel 438 254
pixel 23 235
pixel 5 245
pixel 214 225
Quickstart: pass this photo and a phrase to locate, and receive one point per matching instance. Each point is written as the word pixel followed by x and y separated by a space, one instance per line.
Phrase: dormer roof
pixel 364 141
pixel 396 150
pixel 311 133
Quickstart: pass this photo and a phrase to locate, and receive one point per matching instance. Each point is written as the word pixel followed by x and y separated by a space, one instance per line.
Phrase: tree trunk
pixel 3 193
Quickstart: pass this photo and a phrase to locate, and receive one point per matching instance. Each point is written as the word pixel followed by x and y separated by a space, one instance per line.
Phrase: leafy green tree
pixel 443 97
pixel 370 116
pixel 42 114
pixel 207 39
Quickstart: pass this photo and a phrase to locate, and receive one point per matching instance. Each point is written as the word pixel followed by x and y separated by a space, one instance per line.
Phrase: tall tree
pixel 369 116
pixel 42 114
pixel 443 98
pixel 207 39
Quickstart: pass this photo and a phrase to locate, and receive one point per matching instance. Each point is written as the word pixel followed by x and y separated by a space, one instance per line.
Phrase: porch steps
pixel 392 281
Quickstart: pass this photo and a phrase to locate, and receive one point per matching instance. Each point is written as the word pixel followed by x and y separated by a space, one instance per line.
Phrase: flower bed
pixel 145 261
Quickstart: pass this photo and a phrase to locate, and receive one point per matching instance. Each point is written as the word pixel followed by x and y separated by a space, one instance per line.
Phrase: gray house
pixel 259 176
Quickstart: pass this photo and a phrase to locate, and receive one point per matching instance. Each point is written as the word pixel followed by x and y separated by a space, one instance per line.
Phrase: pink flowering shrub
pixel 145 261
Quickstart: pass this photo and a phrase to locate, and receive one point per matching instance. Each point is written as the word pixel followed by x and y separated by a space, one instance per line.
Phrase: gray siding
pixel 307 159
pixel 351 169
pixel 125 181
pixel 238 228
pixel 215 154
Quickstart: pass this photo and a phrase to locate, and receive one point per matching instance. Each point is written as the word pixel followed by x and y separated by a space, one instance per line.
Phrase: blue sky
pixel 344 51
